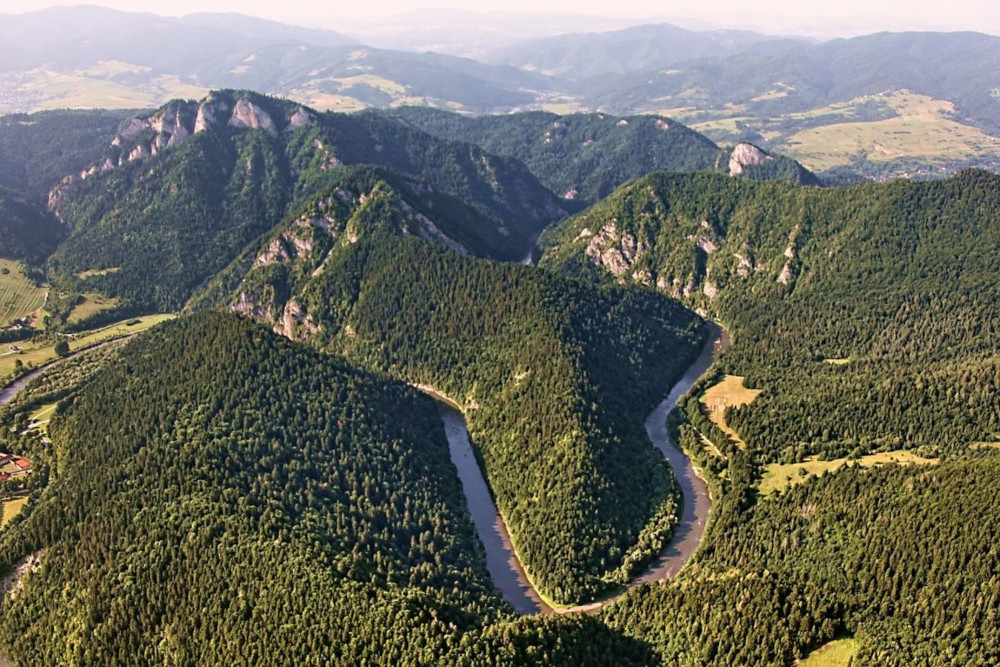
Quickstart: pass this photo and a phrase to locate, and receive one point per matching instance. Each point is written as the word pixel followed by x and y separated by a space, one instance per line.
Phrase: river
pixel 8 393
pixel 502 562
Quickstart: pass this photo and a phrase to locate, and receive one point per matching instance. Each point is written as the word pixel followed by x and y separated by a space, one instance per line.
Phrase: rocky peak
pixel 169 127
pixel 246 114
pixel 301 117
pixel 208 112
pixel 743 156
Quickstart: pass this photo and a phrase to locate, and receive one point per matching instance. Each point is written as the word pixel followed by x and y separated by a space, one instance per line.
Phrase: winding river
pixel 8 393
pixel 502 562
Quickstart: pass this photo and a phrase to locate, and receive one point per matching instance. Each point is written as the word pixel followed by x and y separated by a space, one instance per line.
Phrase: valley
pixel 36 354
pixel 441 377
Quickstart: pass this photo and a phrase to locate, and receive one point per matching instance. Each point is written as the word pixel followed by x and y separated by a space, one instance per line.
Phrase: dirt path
pixel 501 560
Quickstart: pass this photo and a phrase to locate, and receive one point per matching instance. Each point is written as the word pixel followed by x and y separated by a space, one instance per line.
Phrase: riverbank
pixel 502 562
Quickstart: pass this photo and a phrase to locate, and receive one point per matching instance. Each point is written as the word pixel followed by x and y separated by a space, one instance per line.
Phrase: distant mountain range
pixel 882 105
pixel 636 49
pixel 93 57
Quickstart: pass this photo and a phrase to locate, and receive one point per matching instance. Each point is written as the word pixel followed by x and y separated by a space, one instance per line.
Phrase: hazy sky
pixel 776 16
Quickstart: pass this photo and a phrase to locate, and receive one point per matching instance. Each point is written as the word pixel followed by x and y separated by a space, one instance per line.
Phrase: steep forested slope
pixel 586 156
pixel 39 150
pixel 180 193
pixel 350 203
pixel 36 153
pixel 870 309
pixel 214 469
pixel 26 232
pixel 217 491
pixel 555 377
pixel 883 556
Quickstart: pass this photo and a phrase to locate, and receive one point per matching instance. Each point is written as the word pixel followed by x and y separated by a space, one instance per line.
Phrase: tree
pixel 62 348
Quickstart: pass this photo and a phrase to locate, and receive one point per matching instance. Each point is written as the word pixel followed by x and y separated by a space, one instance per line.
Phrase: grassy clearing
pixel 83 275
pixel 118 330
pixel 40 418
pixel 985 445
pixel 771 95
pixel 780 476
pixel 839 653
pixel 922 129
pixel 563 108
pixel 19 296
pixel 837 109
pixel 728 393
pixel 36 354
pixel 91 304
pixel 11 508
pixel 327 101
pixel 843 361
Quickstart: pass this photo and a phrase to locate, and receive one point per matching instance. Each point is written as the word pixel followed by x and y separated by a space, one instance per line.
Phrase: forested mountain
pixel 586 156
pixel 236 468
pixel 180 193
pixel 268 485
pixel 871 309
pixel 36 152
pixel 505 342
pixel 215 509
pixel 878 559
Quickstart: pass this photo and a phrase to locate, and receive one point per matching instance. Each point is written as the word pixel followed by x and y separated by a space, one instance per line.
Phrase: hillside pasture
pixel 923 128
pixel 34 353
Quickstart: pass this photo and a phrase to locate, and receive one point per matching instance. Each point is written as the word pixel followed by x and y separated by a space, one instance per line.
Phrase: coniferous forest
pixel 265 479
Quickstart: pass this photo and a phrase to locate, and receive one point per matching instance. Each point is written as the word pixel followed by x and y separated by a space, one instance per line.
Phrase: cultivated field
pixel 45 89
pixel 18 295
pixel 780 476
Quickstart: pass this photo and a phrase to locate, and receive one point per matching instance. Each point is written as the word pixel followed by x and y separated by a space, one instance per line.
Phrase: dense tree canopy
pixel 871 310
